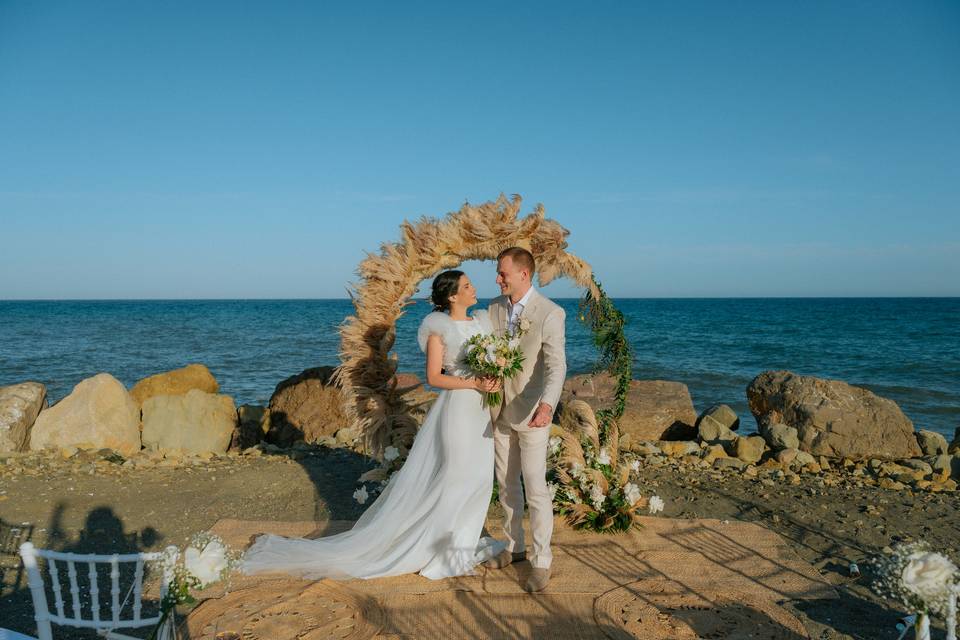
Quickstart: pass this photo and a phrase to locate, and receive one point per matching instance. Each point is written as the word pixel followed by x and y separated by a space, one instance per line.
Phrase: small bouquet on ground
pixel 393 459
pixel 589 483
pixel 205 561
pixel 490 356
pixel 922 580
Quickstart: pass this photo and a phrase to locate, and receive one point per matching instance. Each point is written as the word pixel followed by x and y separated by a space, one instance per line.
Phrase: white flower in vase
pixel 597 497
pixel 391 453
pixel 604 456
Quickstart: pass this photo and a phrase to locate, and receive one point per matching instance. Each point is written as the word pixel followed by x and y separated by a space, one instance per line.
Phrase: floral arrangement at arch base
pixel 590 483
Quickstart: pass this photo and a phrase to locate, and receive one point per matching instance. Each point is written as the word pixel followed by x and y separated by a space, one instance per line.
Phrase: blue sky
pixel 251 150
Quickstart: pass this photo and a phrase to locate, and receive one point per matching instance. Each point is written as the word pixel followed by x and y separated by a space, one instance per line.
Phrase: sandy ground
pixel 92 505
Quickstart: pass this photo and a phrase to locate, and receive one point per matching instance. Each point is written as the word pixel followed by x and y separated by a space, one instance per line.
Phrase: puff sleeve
pixel 436 323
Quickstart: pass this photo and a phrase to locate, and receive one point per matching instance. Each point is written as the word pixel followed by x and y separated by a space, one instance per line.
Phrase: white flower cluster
pixel 921 579
pixel 603 457
pixel 597 497
pixel 656 504
pixel 554 444
pixel 632 493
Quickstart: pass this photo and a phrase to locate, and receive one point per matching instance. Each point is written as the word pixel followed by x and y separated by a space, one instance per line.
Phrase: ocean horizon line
pixel 614 297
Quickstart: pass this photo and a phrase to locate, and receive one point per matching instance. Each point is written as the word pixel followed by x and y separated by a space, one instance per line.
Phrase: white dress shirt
pixel 516 309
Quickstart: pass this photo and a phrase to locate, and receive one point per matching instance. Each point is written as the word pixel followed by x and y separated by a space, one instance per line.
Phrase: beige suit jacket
pixel 544 364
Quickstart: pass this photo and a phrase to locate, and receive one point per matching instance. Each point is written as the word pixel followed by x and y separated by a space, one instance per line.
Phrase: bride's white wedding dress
pixel 430 516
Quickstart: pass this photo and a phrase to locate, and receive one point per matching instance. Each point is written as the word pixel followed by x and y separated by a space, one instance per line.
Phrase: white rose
pixel 927 574
pixel 207 565
pixel 491 358
pixel 635 465
pixel 604 456
pixel 656 504
pixel 524 324
pixel 554 443
pixel 391 453
pixel 597 497
pixel 361 495
pixel 632 493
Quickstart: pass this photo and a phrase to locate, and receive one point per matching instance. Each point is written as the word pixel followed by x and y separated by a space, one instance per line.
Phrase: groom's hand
pixel 542 416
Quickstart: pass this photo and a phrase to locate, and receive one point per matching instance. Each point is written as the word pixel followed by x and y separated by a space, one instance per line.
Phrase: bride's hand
pixel 487 385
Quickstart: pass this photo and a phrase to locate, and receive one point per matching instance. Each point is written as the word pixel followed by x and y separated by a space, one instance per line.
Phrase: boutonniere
pixel 523 325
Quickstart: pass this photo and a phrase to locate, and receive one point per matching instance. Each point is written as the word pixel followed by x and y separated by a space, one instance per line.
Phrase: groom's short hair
pixel 521 257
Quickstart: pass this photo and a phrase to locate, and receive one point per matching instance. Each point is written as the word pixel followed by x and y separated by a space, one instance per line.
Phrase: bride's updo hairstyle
pixel 445 285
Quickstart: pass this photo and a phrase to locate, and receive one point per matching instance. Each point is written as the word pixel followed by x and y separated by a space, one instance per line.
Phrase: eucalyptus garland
pixel 616 355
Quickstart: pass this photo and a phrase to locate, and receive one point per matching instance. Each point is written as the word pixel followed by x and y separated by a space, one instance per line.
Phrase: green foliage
pixel 616 355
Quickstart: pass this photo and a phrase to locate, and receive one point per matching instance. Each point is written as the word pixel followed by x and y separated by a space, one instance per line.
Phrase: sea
pixel 904 349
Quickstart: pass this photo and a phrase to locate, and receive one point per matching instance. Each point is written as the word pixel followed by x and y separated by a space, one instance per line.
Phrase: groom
pixel 522 422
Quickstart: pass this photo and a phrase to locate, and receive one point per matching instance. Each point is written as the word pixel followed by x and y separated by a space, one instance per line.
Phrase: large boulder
pixel 307 406
pixel 931 442
pixel 98 414
pixel 750 449
pixel 656 409
pixel 195 422
pixel 20 404
pixel 833 418
pixel 175 383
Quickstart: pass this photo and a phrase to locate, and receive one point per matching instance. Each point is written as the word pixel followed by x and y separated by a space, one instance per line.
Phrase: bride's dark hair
pixel 445 285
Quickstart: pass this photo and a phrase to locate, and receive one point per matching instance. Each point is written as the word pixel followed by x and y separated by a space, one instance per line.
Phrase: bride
pixel 430 516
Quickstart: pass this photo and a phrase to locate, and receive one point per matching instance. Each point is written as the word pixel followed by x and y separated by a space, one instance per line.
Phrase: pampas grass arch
pixel 381 409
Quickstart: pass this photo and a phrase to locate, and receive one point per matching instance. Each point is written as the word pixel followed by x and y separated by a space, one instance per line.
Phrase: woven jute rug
pixel 670 579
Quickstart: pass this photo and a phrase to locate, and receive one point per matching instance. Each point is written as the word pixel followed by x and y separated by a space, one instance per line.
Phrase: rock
pixel 750 449
pixel 892 485
pixel 192 423
pixel 253 422
pixel 714 452
pixel 98 414
pixel 307 406
pixel 787 456
pixel 415 394
pixel 729 463
pixel 780 436
pixel 721 414
pixel 20 404
pixel 656 409
pixel 931 442
pixel 954 448
pixel 917 465
pixel 645 448
pixel 832 418
pixel 678 448
pixel 804 459
pixel 175 383
pixel 712 432
pixel 943 462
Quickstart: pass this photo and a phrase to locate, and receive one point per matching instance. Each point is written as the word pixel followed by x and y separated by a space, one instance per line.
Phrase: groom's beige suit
pixel 519 448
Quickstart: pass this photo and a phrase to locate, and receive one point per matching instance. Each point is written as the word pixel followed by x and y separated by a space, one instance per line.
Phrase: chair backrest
pixel 84 608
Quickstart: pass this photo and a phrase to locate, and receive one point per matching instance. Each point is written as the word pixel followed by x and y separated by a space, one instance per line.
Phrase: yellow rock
pixel 175 383
pixel 812 467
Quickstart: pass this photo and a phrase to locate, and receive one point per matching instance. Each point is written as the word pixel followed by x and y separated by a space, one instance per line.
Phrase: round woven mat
pixel 286 610
pixel 655 610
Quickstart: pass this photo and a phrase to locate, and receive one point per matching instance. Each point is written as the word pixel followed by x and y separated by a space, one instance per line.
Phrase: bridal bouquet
pixel 490 356
pixel 590 485
pixel 205 561
pixel 922 580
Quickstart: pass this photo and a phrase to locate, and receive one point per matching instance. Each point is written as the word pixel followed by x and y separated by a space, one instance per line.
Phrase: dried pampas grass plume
pixel 382 413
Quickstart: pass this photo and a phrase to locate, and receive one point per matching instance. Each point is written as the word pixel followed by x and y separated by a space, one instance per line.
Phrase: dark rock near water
pixel 307 406
pixel 833 418
pixel 253 422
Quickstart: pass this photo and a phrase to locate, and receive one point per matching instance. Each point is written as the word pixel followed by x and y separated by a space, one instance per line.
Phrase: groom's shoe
pixel 505 558
pixel 538 580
